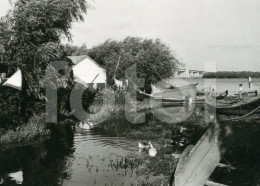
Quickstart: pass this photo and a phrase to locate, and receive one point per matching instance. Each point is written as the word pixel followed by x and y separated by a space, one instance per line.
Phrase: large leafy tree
pixel 31 33
pixel 154 59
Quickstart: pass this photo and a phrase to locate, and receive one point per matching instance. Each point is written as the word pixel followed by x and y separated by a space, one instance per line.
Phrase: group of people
pixel 212 91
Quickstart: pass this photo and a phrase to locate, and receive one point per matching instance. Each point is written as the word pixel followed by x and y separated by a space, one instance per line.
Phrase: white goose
pixel 152 150
pixel 17 177
pixel 144 145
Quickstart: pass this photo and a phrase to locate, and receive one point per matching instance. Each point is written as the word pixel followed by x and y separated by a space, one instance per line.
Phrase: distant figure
pixel 212 92
pixel 240 91
pixel 249 81
pixel 226 92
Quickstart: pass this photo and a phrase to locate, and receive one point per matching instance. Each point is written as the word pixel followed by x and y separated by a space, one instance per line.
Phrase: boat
pixel 182 102
pixel 217 96
pixel 222 95
pixel 174 94
pixel 182 87
pixel 250 93
pixel 198 100
pixel 198 162
pixel 236 107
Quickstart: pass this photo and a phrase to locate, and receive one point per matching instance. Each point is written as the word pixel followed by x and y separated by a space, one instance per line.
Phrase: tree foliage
pixel 71 50
pixel 31 33
pixel 154 59
pixel 231 74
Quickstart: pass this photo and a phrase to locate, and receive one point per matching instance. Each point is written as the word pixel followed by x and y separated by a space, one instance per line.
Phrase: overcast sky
pixel 198 31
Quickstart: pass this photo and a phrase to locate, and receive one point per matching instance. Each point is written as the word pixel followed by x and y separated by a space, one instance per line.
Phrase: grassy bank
pixel 29 133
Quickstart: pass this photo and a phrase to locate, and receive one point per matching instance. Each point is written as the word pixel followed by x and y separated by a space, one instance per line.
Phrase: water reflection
pixel 74 158
pixel 104 160
pixel 44 164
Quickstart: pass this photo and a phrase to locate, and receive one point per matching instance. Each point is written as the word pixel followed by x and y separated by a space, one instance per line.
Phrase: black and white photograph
pixel 130 92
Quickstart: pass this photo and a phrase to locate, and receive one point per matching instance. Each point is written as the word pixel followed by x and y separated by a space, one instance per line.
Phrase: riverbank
pixel 169 137
pixel 34 131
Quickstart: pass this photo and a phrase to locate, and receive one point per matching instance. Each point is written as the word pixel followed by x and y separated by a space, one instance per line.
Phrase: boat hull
pixel 176 93
pixel 238 108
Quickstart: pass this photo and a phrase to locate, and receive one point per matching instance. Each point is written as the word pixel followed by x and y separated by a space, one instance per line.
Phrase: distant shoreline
pixel 231 74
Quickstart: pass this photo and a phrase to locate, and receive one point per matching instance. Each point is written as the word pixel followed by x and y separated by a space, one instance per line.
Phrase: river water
pixel 104 160
pixel 84 157
pixel 221 85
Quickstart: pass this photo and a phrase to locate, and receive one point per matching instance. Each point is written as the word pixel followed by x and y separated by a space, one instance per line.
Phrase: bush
pixel 31 131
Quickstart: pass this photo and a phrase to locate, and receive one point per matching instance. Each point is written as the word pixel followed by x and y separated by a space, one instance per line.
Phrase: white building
pixel 87 71
pixel 182 73
pixel 186 73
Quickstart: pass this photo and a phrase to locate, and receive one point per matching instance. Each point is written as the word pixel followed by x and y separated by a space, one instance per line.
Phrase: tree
pixel 31 33
pixel 231 74
pixel 154 59
pixel 71 50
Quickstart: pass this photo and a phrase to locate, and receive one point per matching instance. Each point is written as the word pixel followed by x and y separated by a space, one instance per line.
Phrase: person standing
pixel 249 81
pixel 240 91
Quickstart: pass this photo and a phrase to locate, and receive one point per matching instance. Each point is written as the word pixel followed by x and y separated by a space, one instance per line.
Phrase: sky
pixel 201 33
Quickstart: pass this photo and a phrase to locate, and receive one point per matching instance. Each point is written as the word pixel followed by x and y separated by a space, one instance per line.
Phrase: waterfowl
pixel 152 151
pixel 144 145
pixel 182 129
pixel 17 177
pixel 1 181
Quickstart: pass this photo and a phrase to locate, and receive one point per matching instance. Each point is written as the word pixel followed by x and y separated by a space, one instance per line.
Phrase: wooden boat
pixel 250 93
pixel 172 103
pixel 197 163
pixel 236 107
pixel 222 95
pixel 175 94
pixel 217 97
pixel 182 87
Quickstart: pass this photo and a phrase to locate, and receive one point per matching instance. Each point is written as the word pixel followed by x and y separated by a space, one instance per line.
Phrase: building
pixel 186 73
pixel 196 74
pixel 182 73
pixel 15 81
pixel 86 71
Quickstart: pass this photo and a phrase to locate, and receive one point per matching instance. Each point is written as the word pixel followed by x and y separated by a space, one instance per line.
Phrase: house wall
pixel 182 73
pixel 87 70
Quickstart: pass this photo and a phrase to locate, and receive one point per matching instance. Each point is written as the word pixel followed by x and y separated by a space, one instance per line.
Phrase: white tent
pixel 87 70
pixel 15 81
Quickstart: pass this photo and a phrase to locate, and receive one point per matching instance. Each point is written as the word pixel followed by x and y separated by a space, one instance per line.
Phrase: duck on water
pixel 152 150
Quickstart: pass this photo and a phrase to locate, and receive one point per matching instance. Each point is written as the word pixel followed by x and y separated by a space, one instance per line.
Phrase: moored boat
pixel 197 163
pixel 182 87
pixel 177 93
pixel 238 107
